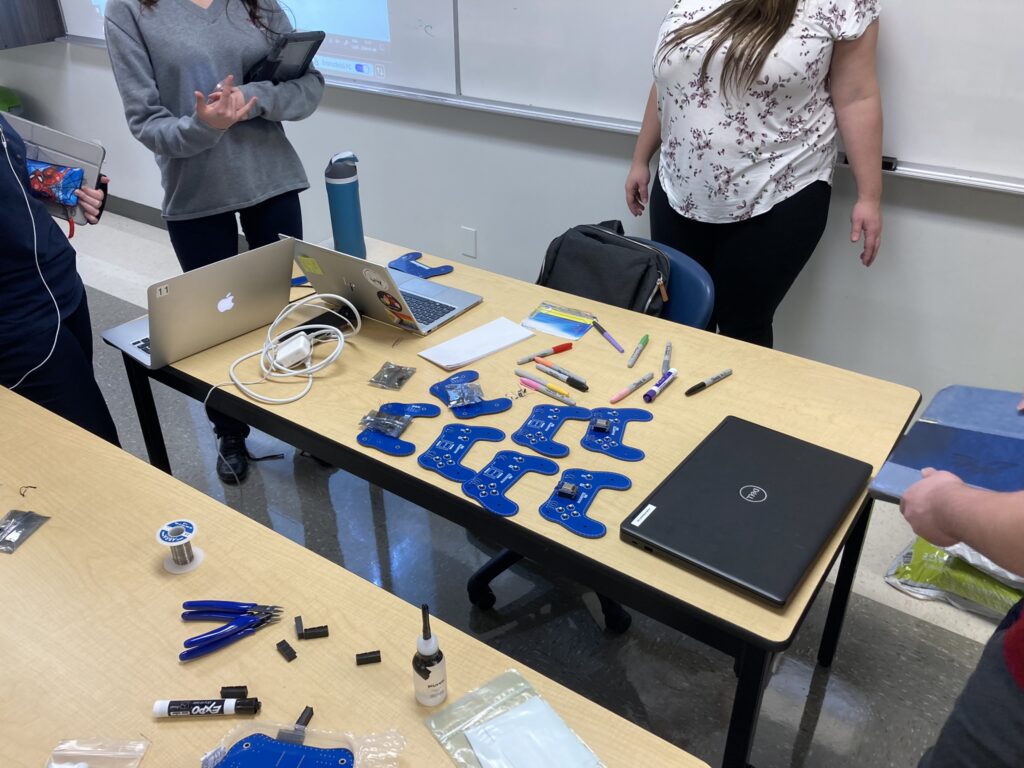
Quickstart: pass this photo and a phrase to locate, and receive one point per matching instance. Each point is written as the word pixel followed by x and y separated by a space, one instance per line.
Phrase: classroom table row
pixel 92 627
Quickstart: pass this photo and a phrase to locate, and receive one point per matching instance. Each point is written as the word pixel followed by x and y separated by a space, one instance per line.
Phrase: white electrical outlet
pixel 467 241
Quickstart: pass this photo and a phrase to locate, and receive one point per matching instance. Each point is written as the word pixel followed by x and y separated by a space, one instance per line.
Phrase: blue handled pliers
pixel 243 619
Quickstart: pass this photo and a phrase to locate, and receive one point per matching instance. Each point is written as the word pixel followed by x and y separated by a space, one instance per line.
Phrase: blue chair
pixel 691 299
pixel 691 293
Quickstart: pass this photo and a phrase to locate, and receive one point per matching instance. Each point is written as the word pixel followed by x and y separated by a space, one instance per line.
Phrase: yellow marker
pixel 544 383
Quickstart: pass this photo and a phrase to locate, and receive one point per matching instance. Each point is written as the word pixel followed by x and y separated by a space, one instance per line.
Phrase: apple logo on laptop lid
pixel 226 304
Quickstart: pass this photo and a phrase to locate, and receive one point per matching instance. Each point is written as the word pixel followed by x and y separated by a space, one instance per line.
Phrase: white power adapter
pixel 295 350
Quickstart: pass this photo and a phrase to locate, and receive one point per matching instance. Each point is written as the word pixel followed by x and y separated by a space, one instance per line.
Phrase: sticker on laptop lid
pixel 374 279
pixel 644 514
pixel 310 265
pixel 162 290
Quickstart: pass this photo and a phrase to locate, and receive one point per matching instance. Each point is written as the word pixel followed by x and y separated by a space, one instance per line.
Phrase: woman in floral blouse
pixel 747 101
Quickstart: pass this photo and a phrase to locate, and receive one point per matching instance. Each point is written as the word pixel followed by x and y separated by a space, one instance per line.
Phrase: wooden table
pixel 91 635
pixel 838 409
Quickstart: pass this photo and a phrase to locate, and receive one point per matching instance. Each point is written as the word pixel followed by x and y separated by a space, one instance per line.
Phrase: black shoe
pixel 233 461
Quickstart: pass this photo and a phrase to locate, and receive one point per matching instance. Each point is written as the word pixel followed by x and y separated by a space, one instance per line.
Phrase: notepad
pixel 476 344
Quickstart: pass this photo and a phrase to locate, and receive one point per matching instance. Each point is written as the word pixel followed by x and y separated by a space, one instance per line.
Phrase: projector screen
pixel 405 43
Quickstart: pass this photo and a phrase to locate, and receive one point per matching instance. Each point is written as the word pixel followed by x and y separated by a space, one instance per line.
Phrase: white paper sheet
pixel 476 344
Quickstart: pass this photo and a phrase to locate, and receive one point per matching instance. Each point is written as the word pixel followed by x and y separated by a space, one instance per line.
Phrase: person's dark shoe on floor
pixel 233 459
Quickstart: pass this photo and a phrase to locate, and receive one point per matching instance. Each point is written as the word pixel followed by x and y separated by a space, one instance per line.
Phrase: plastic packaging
pixel 930 573
pixel 510 723
pixel 93 753
pixel 16 526
pixel 983 564
pixel 463 394
pixel 376 750
pixel 391 376
pixel 392 426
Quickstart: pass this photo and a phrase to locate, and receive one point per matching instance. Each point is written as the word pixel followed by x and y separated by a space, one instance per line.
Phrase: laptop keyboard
pixel 426 311
pixel 142 344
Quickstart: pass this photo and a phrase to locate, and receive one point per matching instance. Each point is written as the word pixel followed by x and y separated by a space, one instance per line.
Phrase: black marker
pixel 702 385
pixel 205 707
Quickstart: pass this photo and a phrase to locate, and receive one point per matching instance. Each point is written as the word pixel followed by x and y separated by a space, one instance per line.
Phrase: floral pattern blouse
pixel 727 157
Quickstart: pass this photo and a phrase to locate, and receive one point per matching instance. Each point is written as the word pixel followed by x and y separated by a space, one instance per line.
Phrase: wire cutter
pixel 243 619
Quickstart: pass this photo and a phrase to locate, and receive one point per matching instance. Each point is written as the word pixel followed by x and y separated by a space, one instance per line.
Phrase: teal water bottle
pixel 343 200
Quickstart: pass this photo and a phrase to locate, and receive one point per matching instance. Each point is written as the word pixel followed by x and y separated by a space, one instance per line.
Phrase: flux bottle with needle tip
pixel 430 679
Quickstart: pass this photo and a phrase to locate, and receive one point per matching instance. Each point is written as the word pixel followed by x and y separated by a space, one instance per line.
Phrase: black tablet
pixel 292 54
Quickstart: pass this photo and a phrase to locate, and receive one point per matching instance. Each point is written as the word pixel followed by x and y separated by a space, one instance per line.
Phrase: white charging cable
pixel 289 354
pixel 39 268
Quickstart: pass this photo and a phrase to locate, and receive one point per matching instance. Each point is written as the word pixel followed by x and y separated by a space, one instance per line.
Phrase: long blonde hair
pixel 751 27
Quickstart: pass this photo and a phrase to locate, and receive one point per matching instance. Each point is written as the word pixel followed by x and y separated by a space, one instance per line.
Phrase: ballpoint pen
pixel 632 388
pixel 636 352
pixel 702 385
pixel 607 335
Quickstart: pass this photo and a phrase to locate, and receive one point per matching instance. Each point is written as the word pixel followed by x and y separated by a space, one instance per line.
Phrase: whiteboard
pixel 586 56
pixel 950 76
pixel 949 71
pixel 407 43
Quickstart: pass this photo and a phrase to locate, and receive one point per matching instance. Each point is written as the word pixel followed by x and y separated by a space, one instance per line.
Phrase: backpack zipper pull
pixel 662 288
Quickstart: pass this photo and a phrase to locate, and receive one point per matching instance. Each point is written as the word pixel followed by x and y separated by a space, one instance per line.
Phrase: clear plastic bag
pixel 16 526
pixel 392 426
pixel 93 753
pixel 506 724
pixel 464 394
pixel 391 376
pixel 375 750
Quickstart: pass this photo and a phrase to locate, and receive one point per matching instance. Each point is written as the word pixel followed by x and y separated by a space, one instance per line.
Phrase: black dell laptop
pixel 750 505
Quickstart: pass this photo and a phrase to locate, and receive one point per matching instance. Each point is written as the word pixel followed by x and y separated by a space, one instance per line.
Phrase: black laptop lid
pixel 751 505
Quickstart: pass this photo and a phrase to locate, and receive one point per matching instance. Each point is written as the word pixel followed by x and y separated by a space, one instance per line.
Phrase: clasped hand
pixel 224 107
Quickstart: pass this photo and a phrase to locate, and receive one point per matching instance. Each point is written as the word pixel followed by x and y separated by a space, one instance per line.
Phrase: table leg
pixel 844 583
pixel 753 673
pixel 145 407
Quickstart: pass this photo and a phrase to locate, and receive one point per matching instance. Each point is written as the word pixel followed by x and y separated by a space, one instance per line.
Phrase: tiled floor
pixel 891 686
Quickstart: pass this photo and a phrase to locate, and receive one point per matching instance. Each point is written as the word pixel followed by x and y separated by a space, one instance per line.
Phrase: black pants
pixel 199 242
pixel 66 385
pixel 754 262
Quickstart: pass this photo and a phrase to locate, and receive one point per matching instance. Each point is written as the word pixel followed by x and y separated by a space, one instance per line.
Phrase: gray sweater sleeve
pixel 290 100
pixel 150 121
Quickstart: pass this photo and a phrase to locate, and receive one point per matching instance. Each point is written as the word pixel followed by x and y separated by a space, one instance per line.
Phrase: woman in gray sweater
pixel 221 148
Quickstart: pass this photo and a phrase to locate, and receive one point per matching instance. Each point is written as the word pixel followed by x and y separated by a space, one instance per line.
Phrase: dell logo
pixel 755 494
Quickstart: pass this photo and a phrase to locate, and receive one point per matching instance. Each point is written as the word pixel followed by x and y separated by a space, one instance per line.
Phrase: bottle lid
pixel 342 166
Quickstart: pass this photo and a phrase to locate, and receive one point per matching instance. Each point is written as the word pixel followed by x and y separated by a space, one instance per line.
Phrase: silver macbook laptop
pixel 381 293
pixel 208 306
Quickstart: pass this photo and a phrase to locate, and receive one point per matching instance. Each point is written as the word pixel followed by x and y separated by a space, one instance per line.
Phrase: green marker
pixel 636 352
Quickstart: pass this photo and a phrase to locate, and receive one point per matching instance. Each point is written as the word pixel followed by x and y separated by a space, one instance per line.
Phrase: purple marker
pixel 607 335
pixel 666 378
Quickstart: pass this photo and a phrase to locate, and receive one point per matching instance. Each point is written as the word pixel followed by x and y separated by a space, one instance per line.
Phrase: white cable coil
pixel 278 358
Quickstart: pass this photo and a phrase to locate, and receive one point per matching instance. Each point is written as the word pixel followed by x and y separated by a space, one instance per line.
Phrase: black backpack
pixel 599 262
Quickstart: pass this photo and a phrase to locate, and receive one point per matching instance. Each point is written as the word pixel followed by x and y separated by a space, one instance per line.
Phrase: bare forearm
pixel 991 523
pixel 860 125
pixel 649 140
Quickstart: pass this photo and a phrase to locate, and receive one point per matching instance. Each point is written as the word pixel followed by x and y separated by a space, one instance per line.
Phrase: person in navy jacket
pixel 45 331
